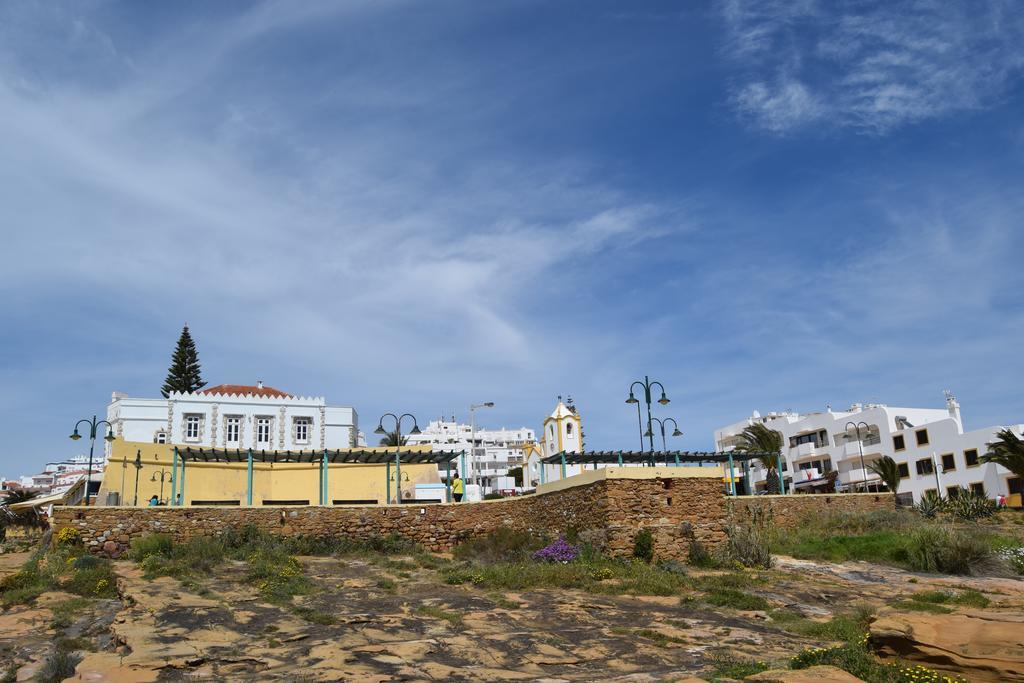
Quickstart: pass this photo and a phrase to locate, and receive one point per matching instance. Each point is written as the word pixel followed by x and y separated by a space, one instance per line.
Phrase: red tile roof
pixel 246 390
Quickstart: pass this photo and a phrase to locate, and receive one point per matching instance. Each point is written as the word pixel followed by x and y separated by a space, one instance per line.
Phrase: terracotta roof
pixel 246 390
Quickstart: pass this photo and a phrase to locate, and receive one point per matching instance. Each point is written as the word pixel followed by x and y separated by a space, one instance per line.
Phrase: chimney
pixel 259 384
pixel 954 408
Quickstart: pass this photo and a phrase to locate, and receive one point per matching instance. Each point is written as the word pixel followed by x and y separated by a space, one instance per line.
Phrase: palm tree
pixel 888 471
pixel 757 438
pixel 391 439
pixel 1007 450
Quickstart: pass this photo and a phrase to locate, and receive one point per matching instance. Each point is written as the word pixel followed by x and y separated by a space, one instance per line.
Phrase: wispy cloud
pixel 872 66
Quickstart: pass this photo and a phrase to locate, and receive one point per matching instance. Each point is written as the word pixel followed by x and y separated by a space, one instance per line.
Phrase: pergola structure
pixel 670 458
pixel 321 458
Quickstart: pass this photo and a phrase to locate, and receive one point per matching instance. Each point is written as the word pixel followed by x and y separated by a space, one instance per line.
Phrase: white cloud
pixel 870 66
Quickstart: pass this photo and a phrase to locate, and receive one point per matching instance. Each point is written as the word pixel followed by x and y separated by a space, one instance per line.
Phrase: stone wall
pixel 788 512
pixel 608 513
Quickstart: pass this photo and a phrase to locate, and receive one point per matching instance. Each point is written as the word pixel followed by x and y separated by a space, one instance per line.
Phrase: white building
pixel 930 446
pixel 493 453
pixel 562 431
pixel 235 416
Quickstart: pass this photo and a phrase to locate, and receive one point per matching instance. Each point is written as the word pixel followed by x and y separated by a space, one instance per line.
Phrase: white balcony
pixel 803 450
pixel 805 475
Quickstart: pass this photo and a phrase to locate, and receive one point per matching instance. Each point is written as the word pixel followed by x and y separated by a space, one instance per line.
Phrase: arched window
pixel 568 428
pixel 161 437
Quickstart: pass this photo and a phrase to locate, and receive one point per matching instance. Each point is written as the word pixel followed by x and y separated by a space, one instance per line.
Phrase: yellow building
pixel 137 471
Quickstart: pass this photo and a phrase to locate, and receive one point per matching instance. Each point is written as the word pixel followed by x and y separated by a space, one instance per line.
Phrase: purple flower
pixel 559 551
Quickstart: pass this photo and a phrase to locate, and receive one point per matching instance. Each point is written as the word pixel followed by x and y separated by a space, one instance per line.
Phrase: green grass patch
pixel 66 612
pixel 735 599
pixel 315 616
pixel 966 598
pixel 384 583
pixel 658 638
pixel 857 659
pixel 454 619
pixel 915 606
pixel 727 665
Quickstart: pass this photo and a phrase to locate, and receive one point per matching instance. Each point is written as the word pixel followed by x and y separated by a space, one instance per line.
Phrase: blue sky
pixel 412 206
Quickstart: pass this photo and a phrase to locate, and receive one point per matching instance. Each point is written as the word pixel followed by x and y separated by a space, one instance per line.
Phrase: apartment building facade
pixel 829 448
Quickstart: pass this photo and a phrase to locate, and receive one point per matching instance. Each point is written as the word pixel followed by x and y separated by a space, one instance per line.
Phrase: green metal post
pixel 174 475
pixel 778 468
pixel 387 478
pixel 327 489
pixel 463 470
pixel 448 481
pixel 543 473
pixel 620 458
pixel 732 476
pixel 181 484
pixel 563 464
pixel 248 494
pixel 677 458
pixel 320 482
pixel 398 475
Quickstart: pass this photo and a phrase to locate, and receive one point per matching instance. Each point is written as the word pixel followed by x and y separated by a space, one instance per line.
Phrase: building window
pixel 930 492
pixel 904 470
pixel 952 491
pixel 232 429
pixel 301 429
pixel 948 462
pixel 898 442
pixel 971 457
pixel 925 466
pixel 193 427
pixel 568 428
pixel 263 430
pixel 922 437
pixel 161 437
pixel 978 488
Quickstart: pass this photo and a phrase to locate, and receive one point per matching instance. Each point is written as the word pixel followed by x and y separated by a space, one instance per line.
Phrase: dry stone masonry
pixel 607 513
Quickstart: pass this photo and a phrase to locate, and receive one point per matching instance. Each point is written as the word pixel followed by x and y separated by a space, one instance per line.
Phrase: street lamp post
pixel 860 447
pixel 647 384
pixel 398 444
pixel 675 429
pixel 138 466
pixel 75 436
pixel 163 475
pixel 472 438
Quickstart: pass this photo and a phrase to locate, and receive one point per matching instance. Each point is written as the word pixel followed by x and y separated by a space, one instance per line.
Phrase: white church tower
pixel 562 432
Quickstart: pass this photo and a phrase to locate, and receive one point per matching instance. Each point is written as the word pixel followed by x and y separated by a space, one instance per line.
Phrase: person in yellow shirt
pixel 458 488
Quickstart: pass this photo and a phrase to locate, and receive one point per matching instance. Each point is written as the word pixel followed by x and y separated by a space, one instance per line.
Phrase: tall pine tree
pixel 184 374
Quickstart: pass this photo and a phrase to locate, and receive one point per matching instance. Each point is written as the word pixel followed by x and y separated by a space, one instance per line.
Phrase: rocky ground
pixel 377 619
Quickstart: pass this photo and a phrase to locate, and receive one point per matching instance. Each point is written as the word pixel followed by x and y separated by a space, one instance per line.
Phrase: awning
pixel 420 454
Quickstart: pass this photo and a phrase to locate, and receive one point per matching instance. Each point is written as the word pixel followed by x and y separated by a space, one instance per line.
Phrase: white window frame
pixel 233 422
pixel 193 420
pixel 305 423
pixel 161 437
pixel 261 422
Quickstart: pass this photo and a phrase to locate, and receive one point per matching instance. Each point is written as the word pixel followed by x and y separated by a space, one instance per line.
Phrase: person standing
pixel 458 488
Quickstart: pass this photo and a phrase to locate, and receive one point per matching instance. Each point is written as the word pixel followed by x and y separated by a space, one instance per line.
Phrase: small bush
pixel 68 536
pixel 936 549
pixel 153 544
pixel 967 598
pixel 643 545
pixel 58 666
pixel 1013 557
pixel 970 505
pixel 915 606
pixel 501 545
pixel 700 557
pixel 930 505
pixel 66 612
pixel 95 582
pixel 750 544
pixel 560 551
pixel 727 665
pixel 453 618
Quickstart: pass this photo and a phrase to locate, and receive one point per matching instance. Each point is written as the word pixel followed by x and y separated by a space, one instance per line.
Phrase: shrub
pixel 1014 558
pixel 68 536
pixel 750 544
pixel 937 549
pixel 930 505
pixel 560 551
pixel 501 545
pixel 58 666
pixel 96 581
pixel 700 557
pixel 153 544
pixel 970 505
pixel 643 545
